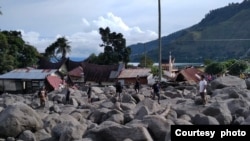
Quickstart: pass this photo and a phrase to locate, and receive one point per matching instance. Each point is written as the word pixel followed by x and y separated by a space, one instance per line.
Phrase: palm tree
pixel 61 46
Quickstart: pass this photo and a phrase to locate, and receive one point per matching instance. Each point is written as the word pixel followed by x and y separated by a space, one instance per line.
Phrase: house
pixel 77 71
pixel 128 76
pixel 68 70
pixel 77 75
pixel 189 75
pixel 63 66
pixel 25 80
pixel 101 73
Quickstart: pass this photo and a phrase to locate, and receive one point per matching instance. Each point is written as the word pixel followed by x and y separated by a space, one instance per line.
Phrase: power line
pixel 214 40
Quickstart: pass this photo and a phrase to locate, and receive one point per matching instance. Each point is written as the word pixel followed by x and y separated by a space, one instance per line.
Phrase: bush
pixel 215 68
pixel 238 67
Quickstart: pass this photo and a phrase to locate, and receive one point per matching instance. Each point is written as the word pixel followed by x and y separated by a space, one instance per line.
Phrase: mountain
pixel 223 34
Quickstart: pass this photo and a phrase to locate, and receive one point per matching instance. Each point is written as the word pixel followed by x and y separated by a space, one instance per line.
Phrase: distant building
pixel 25 80
pixel 128 76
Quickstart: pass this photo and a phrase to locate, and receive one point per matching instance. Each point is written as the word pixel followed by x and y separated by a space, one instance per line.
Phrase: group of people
pixel 42 94
pixel 119 88
pixel 137 85
pixel 156 89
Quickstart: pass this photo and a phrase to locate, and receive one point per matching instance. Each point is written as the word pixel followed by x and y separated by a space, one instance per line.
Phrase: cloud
pixel 86 42
pixel 112 21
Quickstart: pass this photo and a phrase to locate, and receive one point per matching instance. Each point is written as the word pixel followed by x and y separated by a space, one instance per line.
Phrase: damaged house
pixel 189 75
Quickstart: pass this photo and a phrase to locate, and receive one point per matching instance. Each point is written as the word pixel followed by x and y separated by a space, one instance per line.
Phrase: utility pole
pixel 159 28
pixel 144 55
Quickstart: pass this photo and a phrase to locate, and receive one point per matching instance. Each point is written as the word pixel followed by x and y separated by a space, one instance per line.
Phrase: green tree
pixel 155 70
pixel 58 50
pixel 229 63
pixel 145 61
pixel 207 62
pixel 92 58
pixel 14 52
pixel 115 49
pixel 238 67
pixel 27 58
pixel 215 68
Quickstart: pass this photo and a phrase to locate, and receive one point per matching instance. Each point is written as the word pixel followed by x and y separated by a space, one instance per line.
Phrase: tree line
pixel 16 53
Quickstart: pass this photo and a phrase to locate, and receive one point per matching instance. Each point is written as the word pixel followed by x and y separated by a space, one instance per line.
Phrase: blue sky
pixel 43 21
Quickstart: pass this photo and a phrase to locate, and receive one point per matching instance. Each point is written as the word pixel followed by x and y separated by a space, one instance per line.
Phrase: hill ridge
pixel 223 34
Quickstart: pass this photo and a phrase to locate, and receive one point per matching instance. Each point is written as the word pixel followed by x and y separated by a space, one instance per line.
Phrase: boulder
pixel 17 118
pixel 111 131
pixel 228 81
pixel 68 131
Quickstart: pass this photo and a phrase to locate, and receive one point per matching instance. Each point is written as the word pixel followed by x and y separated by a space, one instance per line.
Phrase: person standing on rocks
pixel 156 90
pixel 67 96
pixel 137 84
pixel 89 93
pixel 203 89
pixel 118 90
pixel 42 95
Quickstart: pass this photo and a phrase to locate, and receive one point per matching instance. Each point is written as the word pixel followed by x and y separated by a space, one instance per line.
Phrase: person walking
pixel 137 84
pixel 203 89
pixel 156 90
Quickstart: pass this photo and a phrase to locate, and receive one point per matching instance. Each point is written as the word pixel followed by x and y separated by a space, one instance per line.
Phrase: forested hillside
pixel 223 34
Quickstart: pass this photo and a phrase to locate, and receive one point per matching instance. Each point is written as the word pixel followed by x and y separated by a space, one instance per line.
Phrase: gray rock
pixel 228 81
pixel 237 107
pixel 143 111
pixel 248 83
pixel 68 130
pixel 27 135
pixel 111 131
pixel 182 122
pixel 17 118
pixel 238 121
pixel 150 104
pixel 200 119
pixel 42 135
pixel 157 126
pixel 219 111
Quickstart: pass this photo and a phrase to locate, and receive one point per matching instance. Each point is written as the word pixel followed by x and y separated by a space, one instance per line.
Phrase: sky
pixel 41 22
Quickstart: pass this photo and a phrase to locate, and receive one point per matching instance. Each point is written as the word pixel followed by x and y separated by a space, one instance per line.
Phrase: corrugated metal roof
pixel 28 74
pixel 132 73
pixel 190 75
